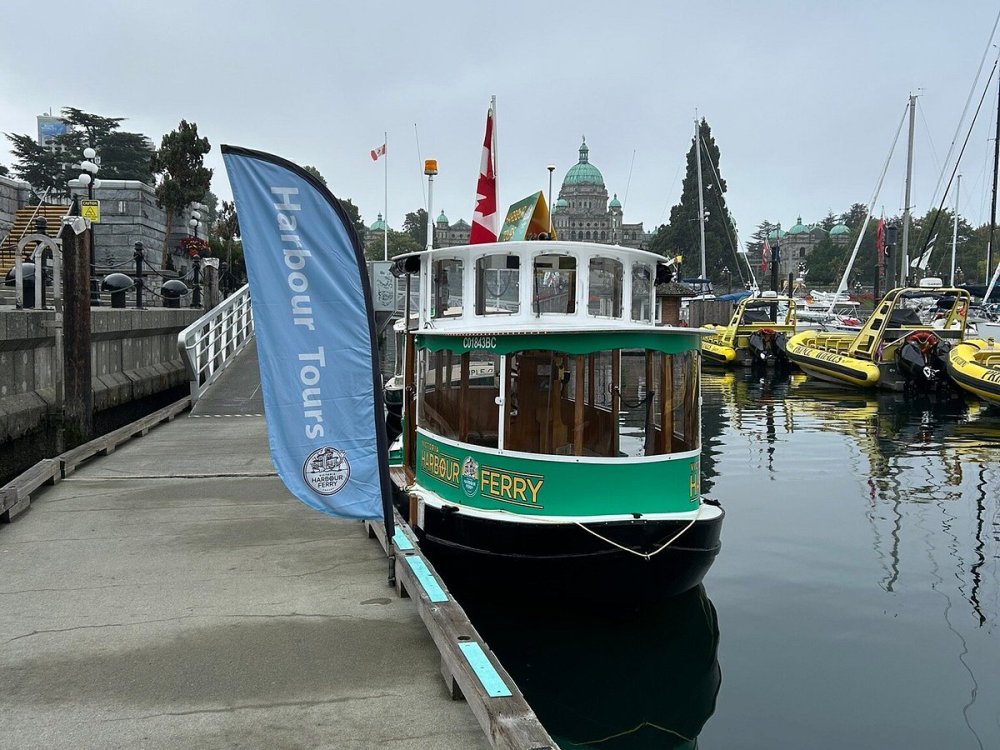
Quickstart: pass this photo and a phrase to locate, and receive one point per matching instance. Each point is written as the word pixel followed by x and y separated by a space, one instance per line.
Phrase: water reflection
pixel 882 514
pixel 608 677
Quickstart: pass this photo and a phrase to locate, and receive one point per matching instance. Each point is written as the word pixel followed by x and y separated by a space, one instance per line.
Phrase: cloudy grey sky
pixel 803 97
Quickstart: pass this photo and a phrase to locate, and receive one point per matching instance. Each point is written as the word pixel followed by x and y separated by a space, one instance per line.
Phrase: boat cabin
pixel 547 351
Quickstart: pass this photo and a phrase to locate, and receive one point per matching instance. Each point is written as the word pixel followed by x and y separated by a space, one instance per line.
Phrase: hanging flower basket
pixel 192 246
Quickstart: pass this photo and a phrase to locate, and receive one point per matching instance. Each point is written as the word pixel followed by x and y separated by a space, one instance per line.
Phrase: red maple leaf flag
pixel 484 216
pixel 765 257
pixel 377 152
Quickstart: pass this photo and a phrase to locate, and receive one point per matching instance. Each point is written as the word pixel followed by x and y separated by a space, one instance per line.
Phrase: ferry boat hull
pixel 974 366
pixel 605 555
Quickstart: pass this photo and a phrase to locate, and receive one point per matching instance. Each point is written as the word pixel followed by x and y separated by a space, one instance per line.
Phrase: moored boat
pixel 974 365
pixel 579 457
pixel 894 349
pixel 756 334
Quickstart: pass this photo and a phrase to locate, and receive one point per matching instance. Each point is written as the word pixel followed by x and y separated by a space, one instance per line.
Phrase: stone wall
pixel 134 355
pixel 13 195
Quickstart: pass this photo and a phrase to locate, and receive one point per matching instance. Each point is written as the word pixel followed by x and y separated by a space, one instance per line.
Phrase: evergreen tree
pixel 415 225
pixel 680 236
pixel 185 179
pixel 354 214
pixel 315 173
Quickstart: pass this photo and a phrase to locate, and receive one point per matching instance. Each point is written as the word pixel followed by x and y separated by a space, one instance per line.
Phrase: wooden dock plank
pixel 15 496
pixel 469 667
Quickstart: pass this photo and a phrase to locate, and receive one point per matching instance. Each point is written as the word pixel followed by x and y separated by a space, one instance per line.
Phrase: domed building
pixel 450 235
pixel 583 212
pixel 800 240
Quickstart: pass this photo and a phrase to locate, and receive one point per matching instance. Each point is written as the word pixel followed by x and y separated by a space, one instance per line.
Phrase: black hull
pixel 548 558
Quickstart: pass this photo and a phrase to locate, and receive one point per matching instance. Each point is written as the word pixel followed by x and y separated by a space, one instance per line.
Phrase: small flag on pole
pixel 765 257
pixel 377 152
pixel 484 215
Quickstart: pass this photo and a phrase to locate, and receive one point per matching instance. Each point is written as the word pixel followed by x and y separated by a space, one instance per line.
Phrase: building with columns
pixel 583 212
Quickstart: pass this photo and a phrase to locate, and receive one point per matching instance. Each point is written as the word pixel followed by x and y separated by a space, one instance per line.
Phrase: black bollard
pixel 137 255
pixel 196 287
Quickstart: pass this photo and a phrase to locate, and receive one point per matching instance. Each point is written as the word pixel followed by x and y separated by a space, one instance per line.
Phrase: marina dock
pixel 173 594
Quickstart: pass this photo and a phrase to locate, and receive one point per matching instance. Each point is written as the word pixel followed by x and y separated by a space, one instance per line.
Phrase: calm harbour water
pixel 855 602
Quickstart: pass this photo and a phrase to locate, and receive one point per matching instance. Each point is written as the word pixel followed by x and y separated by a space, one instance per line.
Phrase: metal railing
pixel 212 341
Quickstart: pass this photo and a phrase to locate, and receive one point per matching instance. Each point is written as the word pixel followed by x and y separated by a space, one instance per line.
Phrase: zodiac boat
pixel 577 453
pixel 894 350
pixel 974 365
pixel 756 334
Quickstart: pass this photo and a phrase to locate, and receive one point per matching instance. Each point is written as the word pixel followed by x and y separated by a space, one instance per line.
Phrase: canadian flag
pixel 484 216
pixel 377 152
pixel 765 256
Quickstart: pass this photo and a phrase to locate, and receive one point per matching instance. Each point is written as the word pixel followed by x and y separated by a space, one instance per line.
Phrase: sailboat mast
pixel 701 199
pixel 954 234
pixel 906 207
pixel 993 204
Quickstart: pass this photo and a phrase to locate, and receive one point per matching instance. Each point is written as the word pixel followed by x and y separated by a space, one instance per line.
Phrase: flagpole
pixel 385 233
pixel 954 234
pixel 496 171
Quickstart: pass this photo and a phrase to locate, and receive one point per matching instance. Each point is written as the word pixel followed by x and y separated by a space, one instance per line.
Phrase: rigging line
pixel 728 221
pixel 929 233
pixel 666 207
pixel 628 183
pixel 968 100
pixel 842 286
pixel 930 141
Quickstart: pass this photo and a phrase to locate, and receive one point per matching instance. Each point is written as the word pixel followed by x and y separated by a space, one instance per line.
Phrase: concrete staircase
pixel 24 224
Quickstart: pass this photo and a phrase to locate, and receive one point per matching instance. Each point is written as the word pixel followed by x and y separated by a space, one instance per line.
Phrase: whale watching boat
pixel 552 429
pixel 895 349
pixel 974 365
pixel 756 334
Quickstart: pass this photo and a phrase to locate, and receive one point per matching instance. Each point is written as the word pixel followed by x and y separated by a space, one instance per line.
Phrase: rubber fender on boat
pixel 804 351
pixel 719 354
pixel 973 376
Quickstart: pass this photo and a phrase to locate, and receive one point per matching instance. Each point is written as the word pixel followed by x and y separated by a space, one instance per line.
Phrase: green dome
pixel 840 229
pixel 378 225
pixel 442 219
pixel 583 172
pixel 799 227
pixel 615 203
pixel 562 203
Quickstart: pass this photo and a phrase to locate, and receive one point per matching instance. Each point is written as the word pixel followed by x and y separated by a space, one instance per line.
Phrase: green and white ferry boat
pixel 579 453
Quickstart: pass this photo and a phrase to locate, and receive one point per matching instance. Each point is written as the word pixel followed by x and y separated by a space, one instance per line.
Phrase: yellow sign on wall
pixel 91 209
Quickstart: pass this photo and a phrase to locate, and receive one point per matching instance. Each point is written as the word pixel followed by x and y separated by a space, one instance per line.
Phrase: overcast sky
pixel 803 97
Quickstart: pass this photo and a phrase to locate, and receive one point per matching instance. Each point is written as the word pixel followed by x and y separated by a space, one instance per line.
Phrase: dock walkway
pixel 174 595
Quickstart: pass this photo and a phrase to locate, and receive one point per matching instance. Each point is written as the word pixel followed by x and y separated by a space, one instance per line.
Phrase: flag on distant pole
pixel 377 152
pixel 484 216
pixel 765 256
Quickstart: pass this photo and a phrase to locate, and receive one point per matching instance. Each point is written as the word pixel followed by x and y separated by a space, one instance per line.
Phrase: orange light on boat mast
pixel 430 166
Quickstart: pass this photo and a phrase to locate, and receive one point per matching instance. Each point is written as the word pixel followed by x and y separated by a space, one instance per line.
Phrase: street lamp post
pixel 194 221
pixel 729 277
pixel 88 178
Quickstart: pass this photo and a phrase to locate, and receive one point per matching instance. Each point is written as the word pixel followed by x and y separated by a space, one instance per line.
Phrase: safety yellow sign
pixel 91 209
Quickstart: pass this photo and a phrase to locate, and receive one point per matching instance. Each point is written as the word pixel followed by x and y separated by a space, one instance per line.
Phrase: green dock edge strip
pixel 491 681
pixel 429 583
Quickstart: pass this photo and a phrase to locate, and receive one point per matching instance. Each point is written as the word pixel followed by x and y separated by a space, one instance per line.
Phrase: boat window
pixel 642 297
pixel 497 285
pixel 605 292
pixel 554 284
pixel 446 288
pixel 621 403
pixel 459 396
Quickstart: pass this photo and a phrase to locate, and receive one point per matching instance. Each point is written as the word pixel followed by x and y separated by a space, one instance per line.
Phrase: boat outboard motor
pixel 767 346
pixel 922 361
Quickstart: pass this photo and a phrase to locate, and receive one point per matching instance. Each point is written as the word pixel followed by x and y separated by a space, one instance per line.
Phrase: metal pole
pixel 906 208
pixel 385 232
pixel 701 200
pixel 137 255
pixel 993 204
pixel 552 168
pixel 954 233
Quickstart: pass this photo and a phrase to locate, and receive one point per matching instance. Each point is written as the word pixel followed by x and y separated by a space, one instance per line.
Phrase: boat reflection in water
pixel 606 676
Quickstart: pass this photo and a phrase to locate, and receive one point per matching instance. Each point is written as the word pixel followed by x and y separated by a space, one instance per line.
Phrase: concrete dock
pixel 174 595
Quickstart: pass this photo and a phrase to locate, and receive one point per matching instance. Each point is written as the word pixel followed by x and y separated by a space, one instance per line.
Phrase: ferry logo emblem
pixel 470 476
pixel 326 470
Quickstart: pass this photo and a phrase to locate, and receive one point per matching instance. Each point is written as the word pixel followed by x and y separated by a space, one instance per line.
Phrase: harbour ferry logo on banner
pixel 326 470
pixel 470 476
